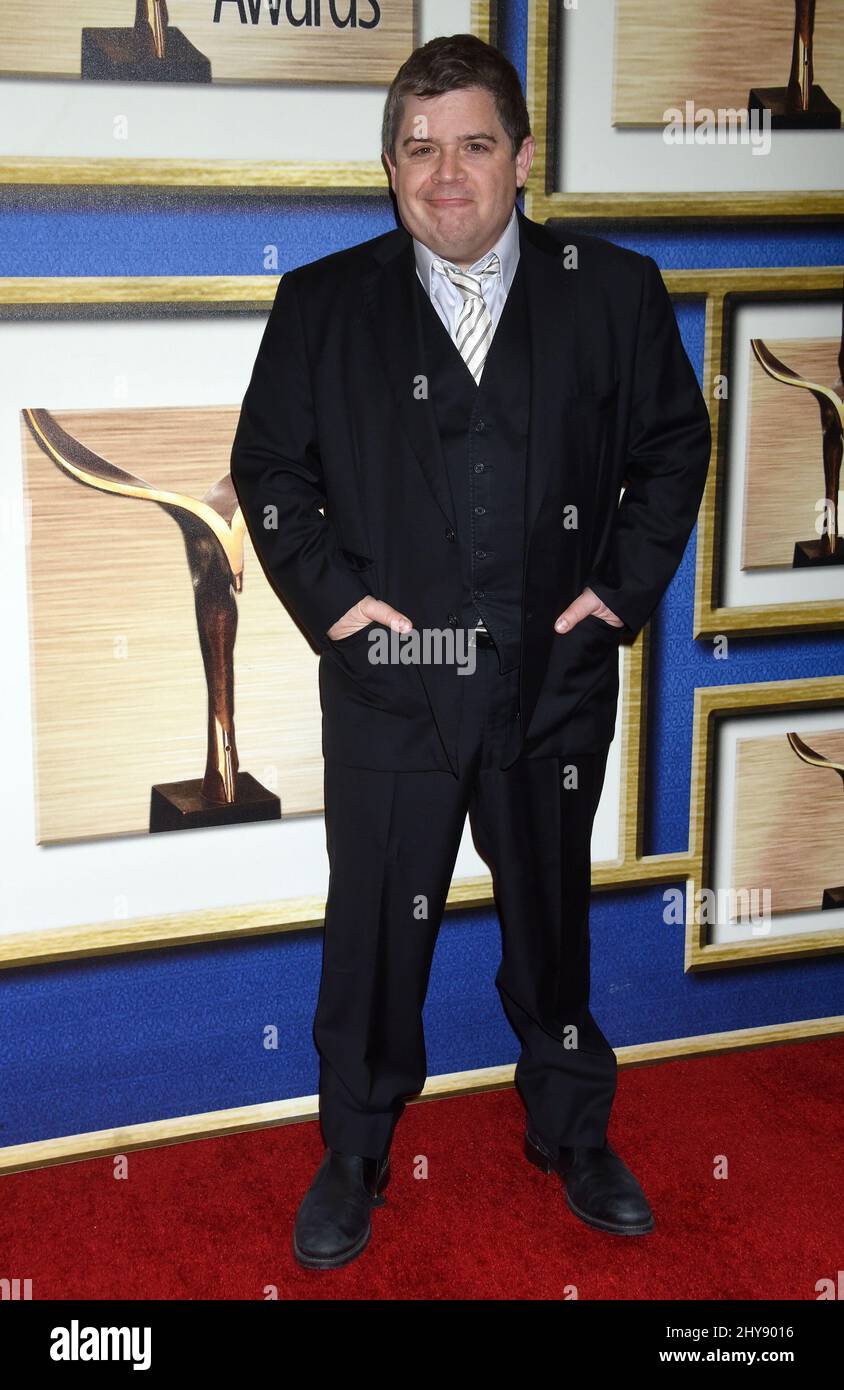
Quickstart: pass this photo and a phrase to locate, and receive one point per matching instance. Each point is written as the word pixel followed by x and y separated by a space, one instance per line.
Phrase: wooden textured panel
pixel 712 54
pixel 789 820
pixel 784 479
pixel 119 687
pixel 47 40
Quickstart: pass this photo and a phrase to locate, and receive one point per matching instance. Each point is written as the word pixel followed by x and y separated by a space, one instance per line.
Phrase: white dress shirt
pixel 446 297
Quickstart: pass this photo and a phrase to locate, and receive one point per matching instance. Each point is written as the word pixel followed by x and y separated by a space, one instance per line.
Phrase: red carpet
pixel 212 1219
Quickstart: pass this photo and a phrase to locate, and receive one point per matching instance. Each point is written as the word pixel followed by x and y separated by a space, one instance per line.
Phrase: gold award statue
pixel 213 529
pixel 832 897
pixel 802 105
pixel 829 548
pixel 149 52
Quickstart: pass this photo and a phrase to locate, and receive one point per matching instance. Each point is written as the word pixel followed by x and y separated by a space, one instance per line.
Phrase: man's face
pixel 455 178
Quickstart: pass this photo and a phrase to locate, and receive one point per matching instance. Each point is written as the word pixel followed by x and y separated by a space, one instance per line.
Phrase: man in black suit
pixel 478 450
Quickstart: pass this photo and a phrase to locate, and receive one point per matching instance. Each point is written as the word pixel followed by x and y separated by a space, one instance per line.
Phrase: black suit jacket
pixel 338 468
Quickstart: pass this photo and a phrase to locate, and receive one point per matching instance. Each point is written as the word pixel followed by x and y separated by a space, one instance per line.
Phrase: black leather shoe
pixel 333 1221
pixel 600 1188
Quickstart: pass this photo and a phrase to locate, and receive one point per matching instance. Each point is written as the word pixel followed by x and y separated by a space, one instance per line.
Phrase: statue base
pixel 808 554
pixel 788 114
pixel 832 897
pixel 181 805
pixel 112 55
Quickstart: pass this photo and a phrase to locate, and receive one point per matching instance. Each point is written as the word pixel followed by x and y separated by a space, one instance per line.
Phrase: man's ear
pixel 524 159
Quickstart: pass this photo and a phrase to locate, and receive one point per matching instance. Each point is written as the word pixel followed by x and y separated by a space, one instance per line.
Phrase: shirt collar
pixel 507 247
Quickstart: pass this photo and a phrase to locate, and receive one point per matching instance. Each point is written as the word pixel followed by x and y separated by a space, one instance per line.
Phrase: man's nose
pixel 448 167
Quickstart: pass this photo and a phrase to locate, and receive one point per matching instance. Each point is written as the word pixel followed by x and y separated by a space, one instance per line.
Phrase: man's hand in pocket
pixel 368 610
pixel 586 602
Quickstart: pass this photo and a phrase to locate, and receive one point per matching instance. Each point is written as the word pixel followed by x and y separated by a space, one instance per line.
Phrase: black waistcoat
pixel 483 432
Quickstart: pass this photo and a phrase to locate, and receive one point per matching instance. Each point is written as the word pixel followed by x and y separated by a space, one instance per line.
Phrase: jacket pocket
pixel 354 639
pixel 597 623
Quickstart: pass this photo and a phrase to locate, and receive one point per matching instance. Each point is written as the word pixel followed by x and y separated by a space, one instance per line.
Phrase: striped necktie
pixel 473 333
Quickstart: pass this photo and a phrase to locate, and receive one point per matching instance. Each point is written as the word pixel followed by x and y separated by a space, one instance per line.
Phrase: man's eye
pixel 475 145
pixel 420 149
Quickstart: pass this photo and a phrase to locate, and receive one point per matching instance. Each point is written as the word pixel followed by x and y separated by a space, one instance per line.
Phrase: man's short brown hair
pixel 451 62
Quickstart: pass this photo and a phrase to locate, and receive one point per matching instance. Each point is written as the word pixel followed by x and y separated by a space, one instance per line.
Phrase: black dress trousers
pixel 392 841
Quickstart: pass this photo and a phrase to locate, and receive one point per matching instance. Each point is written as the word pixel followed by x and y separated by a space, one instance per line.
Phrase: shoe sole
pixel 337 1261
pixel 545 1165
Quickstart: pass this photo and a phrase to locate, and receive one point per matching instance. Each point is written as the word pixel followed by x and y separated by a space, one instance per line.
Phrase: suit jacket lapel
pixel 393 312
pixel 553 367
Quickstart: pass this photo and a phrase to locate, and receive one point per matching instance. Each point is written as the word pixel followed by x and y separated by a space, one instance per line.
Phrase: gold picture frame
pixel 712 703
pixel 724 290
pixel 218 175
pixel 103 294
pixel 544 201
